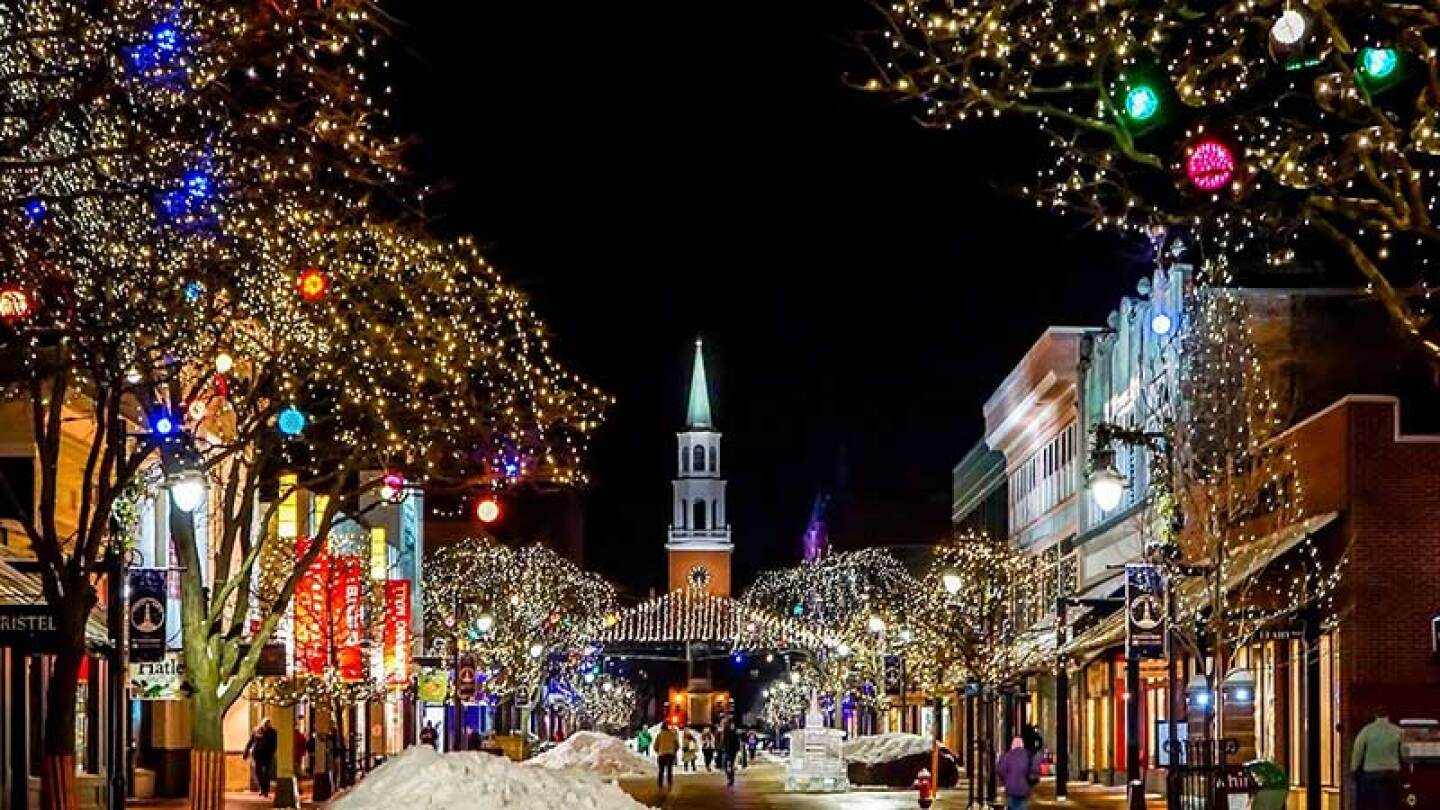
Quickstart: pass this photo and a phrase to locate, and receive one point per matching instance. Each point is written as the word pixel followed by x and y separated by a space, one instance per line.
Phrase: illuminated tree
pixel 601 702
pixel 525 614
pixel 1276 133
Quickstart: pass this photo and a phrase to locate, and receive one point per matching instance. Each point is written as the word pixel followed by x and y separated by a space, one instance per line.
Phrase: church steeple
pixel 698 414
pixel 699 535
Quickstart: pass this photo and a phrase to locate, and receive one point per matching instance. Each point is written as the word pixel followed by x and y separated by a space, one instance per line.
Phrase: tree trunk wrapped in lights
pixel 1277 134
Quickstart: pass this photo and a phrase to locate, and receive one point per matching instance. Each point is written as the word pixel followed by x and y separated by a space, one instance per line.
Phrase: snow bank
pixel 879 748
pixel 596 753
pixel 421 779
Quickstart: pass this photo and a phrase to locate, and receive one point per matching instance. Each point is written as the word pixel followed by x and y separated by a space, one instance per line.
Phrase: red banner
pixel 397 632
pixel 311 596
pixel 347 612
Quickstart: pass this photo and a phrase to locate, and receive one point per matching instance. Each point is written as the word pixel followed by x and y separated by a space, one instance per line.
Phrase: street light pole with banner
pixel 1146 631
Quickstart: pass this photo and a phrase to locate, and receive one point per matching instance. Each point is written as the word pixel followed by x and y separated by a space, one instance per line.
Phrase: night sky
pixel 650 172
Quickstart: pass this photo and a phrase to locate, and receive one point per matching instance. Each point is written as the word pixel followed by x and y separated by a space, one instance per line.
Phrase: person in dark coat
pixel 729 750
pixel 1019 772
pixel 260 750
pixel 428 735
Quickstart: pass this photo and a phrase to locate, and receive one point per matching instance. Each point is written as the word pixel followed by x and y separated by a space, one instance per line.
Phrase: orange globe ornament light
pixel 313 284
pixel 14 304
pixel 488 509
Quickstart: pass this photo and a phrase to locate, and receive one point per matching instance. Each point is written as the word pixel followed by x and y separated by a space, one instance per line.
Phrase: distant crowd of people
pixel 727 749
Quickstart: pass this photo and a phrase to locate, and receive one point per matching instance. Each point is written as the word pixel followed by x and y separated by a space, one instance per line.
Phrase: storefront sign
pixel 1145 607
pixel 311 602
pixel 29 628
pixel 147 615
pixel 397 633
pixel 433 685
pixel 158 680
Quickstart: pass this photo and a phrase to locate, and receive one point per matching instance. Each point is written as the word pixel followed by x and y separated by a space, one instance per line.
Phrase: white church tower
pixel 699 546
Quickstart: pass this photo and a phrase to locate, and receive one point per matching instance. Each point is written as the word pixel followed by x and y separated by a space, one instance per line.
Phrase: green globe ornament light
pixel 1379 63
pixel 1141 103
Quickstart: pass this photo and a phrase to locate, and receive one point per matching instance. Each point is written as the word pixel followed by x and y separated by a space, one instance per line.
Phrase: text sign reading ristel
pixel 30 628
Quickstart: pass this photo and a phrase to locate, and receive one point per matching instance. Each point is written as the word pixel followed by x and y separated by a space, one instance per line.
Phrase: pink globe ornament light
pixel 1210 165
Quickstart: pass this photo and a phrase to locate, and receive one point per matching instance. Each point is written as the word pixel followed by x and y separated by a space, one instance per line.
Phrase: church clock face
pixel 698 577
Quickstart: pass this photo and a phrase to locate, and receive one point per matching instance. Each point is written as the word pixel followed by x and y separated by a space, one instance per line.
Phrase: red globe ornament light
pixel 14 304
pixel 1209 165
pixel 488 509
pixel 313 284
pixel 392 487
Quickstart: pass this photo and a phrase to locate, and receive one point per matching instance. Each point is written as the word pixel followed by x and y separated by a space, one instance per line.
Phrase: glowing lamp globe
pixel 291 421
pixel 1289 28
pixel 1107 487
pixel 1379 63
pixel 187 490
pixel 952 582
pixel 1210 165
pixel 487 510
pixel 197 410
pixel 14 304
pixel 536 650
pixel 224 363
pixel 313 284
pixel 1161 323
pixel 876 624
pixel 1141 103
pixel 485 623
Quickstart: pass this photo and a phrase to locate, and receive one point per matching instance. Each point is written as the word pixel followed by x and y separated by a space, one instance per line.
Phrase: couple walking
pixel 667 744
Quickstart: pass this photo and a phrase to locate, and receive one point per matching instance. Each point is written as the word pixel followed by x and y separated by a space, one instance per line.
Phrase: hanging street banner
pixel 465 677
pixel 433 685
pixel 1145 611
pixel 397 633
pixel 29 628
pixel 148 609
pixel 158 680
pixel 311 598
pixel 347 614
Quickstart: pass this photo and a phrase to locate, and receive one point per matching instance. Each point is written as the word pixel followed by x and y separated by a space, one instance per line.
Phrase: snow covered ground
pixel 596 753
pixel 421 779
pixel 879 748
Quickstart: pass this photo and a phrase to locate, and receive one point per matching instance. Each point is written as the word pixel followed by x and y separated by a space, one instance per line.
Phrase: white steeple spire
pixel 698 414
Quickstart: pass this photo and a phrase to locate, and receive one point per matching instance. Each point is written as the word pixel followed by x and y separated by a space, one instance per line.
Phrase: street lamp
pixel 1107 485
pixel 952 582
pixel 187 490
pixel 485 623
pixel 876 624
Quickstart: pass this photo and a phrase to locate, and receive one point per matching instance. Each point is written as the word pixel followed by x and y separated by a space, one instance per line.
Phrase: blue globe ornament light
pixel 291 421
pixel 36 209
pixel 162 423
pixel 193 289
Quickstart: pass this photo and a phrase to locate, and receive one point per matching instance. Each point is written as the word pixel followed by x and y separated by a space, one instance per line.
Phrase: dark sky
pixel 652 172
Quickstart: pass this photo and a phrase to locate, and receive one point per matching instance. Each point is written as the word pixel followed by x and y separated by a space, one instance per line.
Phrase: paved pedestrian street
pixel 761 787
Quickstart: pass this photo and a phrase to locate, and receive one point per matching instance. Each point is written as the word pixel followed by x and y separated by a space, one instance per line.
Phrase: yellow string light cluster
pixel 1326 113
pixel 526 614
pixel 692 614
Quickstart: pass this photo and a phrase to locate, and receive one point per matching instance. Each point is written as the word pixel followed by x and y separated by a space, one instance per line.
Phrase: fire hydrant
pixel 925 787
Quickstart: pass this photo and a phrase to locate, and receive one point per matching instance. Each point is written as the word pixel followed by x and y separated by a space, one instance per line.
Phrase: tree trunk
pixel 207 753
pixel 57 771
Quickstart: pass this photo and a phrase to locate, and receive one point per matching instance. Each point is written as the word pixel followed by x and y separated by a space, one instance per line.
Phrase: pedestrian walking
pixel 667 742
pixel 752 744
pixel 729 749
pixel 642 742
pixel 428 735
pixel 691 751
pixel 260 750
pixel 707 746
pixel 1376 762
pixel 1019 773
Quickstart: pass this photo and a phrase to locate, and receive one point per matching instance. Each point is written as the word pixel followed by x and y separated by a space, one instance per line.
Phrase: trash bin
pixel 1273 785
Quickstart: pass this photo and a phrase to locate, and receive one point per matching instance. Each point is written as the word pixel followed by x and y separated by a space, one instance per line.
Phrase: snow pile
pixel 421 779
pixel 597 753
pixel 879 748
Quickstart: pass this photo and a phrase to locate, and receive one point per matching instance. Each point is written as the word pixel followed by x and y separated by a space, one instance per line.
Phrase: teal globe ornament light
pixel 291 421
pixel 1141 103
pixel 1379 63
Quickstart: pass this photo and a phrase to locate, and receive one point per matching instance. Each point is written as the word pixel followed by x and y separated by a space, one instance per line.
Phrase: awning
pixel 1245 564
pixel 20 588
